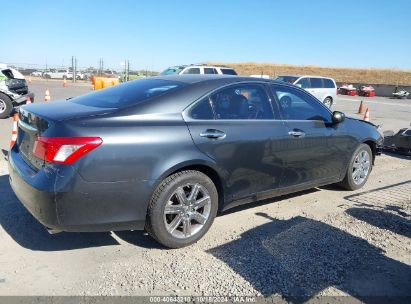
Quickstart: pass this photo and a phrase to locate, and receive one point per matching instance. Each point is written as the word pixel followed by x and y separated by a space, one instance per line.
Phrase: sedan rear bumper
pixel 64 202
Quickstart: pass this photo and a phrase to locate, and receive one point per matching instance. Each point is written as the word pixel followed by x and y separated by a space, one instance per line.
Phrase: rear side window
pixel 202 110
pixel 128 93
pixel 245 101
pixel 192 71
pixel 316 83
pixel 228 72
pixel 210 71
pixel 328 83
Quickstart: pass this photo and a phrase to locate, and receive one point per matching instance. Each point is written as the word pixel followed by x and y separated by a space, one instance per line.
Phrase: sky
pixel 156 34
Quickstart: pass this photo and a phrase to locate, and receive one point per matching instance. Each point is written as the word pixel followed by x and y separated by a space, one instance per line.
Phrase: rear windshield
pixel 228 72
pixel 128 93
pixel 289 79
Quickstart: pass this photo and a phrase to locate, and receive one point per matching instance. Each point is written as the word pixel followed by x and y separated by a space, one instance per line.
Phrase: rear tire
pixel 182 209
pixel 359 168
pixel 6 106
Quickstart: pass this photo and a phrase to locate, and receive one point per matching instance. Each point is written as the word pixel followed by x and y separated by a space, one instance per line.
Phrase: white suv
pixel 198 69
pixel 323 88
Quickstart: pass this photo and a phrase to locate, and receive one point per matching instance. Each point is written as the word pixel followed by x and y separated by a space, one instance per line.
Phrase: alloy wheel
pixel 361 167
pixel 187 210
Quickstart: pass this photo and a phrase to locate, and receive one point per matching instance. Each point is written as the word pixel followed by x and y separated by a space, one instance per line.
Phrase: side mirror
pixel 338 117
pixel 299 85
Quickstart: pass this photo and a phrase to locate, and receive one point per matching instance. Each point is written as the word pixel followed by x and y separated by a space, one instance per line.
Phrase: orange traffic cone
pixel 367 115
pixel 47 95
pixel 14 132
pixel 28 100
pixel 29 79
pixel 361 108
pixel 65 83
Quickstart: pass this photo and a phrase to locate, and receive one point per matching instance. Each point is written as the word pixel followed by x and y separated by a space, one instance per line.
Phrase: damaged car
pixel 399 142
pixel 13 90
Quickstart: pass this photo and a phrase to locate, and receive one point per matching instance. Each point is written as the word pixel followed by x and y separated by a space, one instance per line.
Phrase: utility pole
pixel 74 68
pixel 128 70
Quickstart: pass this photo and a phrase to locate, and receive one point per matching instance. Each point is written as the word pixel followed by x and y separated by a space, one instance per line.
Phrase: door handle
pixel 213 134
pixel 296 133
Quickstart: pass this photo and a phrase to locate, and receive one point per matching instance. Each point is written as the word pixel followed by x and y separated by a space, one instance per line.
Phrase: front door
pixel 316 148
pixel 236 127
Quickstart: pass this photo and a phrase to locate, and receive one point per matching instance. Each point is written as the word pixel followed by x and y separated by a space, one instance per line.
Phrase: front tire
pixel 359 168
pixel 6 106
pixel 182 209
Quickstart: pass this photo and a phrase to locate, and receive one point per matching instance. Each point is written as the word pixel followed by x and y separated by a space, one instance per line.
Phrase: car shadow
pixel 383 220
pixel 30 234
pixel 299 257
pixel 267 201
pixel 397 154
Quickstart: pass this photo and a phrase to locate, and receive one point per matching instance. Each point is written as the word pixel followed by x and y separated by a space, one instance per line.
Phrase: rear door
pixel 237 128
pixel 316 148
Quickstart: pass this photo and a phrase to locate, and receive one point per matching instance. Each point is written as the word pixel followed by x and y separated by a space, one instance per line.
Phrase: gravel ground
pixel 319 242
pixel 323 241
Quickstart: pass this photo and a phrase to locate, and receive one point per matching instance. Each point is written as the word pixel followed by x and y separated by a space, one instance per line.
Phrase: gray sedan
pixel 167 153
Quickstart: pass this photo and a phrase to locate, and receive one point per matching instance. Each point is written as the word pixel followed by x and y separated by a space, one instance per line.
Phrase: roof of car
pixel 313 76
pixel 197 78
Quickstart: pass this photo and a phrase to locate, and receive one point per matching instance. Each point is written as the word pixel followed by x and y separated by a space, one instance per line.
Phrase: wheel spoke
pixel 181 196
pixel 201 202
pixel 175 223
pixel 187 227
pixel 194 192
pixel 173 209
pixel 199 218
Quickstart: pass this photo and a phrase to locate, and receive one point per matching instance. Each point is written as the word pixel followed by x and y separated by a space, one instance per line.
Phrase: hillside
pixel 349 75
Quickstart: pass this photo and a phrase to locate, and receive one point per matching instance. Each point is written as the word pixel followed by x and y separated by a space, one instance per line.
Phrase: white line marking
pixel 375 101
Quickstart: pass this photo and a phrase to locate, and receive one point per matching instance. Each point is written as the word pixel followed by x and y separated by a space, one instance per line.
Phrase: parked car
pixel 398 142
pixel 198 69
pixel 57 74
pixel 13 90
pixel 36 74
pixel 166 153
pixel 323 88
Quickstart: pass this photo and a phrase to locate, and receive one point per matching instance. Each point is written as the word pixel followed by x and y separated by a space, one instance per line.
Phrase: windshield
pixel 172 70
pixel 289 79
pixel 128 93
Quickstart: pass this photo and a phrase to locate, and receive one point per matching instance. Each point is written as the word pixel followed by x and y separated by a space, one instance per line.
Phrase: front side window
pixel 316 83
pixel 298 105
pixel 304 83
pixel 246 101
pixel 192 71
pixel 289 79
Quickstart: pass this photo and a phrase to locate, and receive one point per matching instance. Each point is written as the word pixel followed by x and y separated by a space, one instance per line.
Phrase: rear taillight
pixel 337 91
pixel 64 150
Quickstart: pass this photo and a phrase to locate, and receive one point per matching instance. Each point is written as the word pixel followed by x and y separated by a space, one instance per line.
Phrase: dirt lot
pixel 320 242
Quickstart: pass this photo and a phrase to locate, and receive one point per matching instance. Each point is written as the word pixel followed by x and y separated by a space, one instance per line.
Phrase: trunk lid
pixel 37 120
